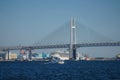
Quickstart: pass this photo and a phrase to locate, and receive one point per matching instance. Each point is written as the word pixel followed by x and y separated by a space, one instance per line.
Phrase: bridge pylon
pixel 30 53
pixel 72 52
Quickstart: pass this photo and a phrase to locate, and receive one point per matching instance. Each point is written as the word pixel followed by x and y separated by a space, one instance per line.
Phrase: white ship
pixel 61 62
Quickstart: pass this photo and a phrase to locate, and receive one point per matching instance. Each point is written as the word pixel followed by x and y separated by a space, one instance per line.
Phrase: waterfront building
pixel 45 55
pixel 36 56
pixel 12 56
pixel 40 55
pixel 2 56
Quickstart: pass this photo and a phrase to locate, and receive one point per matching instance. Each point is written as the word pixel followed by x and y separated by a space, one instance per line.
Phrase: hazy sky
pixel 27 21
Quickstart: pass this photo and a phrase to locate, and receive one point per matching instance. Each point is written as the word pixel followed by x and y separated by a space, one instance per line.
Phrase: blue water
pixel 71 70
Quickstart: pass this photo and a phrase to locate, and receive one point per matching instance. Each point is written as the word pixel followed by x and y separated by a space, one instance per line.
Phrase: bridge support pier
pixel 30 53
pixel 74 52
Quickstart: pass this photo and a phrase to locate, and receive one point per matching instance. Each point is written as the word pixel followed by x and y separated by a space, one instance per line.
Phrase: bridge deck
pixel 60 46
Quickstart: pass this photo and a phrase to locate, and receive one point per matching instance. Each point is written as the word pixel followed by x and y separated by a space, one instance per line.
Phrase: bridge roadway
pixel 60 46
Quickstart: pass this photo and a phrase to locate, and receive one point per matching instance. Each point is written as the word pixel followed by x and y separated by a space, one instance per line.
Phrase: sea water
pixel 70 70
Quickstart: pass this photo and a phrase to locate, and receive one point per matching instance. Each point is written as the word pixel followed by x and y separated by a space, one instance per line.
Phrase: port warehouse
pixel 4 56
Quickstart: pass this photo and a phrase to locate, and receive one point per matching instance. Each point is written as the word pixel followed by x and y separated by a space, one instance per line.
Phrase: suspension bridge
pixel 72 42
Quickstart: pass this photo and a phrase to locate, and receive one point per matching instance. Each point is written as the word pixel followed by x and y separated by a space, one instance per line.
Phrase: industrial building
pixel 5 56
pixel 2 56
pixel 12 56
pixel 40 55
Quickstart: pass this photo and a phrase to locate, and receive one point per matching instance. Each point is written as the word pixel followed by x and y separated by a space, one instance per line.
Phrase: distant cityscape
pixel 62 55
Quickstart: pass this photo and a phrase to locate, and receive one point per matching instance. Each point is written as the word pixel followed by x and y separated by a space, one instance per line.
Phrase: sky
pixel 23 22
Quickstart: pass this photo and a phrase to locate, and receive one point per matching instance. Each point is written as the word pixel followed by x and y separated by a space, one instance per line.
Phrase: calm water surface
pixel 71 70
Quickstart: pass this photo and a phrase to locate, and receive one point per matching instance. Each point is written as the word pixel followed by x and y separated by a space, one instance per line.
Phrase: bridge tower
pixel 30 53
pixel 72 53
